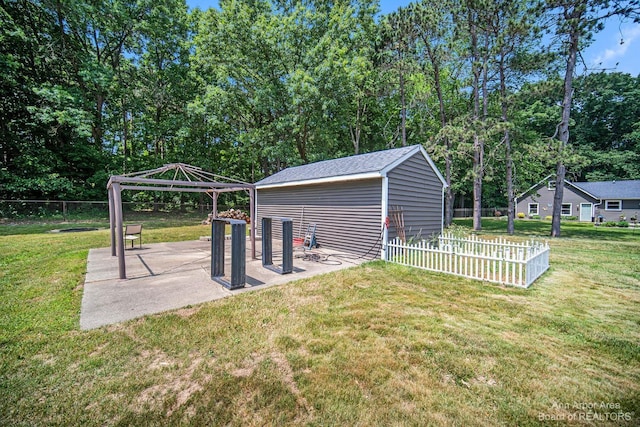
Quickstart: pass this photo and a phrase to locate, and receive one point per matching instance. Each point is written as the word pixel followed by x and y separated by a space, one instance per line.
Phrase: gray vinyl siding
pixel 630 208
pixel 544 198
pixel 417 190
pixel 347 214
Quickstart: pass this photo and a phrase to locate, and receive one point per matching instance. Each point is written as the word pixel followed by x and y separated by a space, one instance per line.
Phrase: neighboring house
pixel 349 199
pixel 587 201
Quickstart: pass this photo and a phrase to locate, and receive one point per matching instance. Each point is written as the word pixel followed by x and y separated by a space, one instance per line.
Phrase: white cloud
pixel 615 51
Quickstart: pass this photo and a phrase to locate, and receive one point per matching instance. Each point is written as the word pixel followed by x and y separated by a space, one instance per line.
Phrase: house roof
pixel 627 189
pixel 362 166
pixel 603 190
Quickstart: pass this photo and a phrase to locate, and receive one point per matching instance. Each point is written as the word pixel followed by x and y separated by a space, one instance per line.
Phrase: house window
pixel 613 205
pixel 533 209
pixel 566 209
pixel 551 185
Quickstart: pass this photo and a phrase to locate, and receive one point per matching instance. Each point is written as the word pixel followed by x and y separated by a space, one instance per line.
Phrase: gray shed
pixel 350 198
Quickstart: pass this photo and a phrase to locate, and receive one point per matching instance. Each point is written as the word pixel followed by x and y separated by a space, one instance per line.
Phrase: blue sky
pixel 606 52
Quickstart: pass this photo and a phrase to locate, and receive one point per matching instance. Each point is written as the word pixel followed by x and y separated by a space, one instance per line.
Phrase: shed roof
pixel 626 189
pixel 361 165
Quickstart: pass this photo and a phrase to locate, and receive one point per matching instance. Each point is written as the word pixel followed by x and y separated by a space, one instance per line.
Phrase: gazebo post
pixel 119 238
pixel 214 210
pixel 112 224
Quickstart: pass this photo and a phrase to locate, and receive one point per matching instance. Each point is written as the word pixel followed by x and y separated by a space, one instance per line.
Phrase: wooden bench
pixel 133 232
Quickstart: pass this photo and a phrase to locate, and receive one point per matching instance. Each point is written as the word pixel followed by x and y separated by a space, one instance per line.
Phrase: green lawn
pixel 378 344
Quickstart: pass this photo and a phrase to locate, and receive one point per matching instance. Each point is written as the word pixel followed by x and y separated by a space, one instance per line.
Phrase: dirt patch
pixel 286 375
pixel 181 386
pixel 98 350
pixel 187 311
pixel 481 380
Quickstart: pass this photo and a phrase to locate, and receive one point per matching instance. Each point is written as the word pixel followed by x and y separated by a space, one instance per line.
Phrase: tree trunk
pixel 511 214
pixel 478 146
pixel 96 129
pixel 356 130
pixel 477 182
pixel 563 127
pixel 403 111
pixel 448 161
pixel 511 210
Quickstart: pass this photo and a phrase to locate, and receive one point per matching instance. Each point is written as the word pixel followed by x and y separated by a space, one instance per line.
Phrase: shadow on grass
pixel 568 229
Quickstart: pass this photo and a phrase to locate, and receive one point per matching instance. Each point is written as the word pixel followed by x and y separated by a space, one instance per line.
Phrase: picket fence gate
pixel 498 260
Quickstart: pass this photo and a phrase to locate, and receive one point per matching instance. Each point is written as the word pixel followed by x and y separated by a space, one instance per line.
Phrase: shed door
pixel 586 211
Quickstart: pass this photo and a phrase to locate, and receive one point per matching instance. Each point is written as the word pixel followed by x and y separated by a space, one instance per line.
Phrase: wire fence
pixel 484 212
pixel 82 209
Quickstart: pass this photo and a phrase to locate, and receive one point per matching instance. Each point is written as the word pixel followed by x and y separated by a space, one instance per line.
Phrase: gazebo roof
pixel 178 177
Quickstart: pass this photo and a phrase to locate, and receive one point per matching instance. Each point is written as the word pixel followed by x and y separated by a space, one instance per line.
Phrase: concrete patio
pixel 167 276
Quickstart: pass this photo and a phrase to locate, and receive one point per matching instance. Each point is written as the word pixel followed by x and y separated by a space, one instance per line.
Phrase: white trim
pixel 537 205
pixel 607 208
pixel 570 209
pixel 533 186
pixel 255 202
pixel 566 183
pixel 399 161
pixel 551 187
pixel 442 210
pixel 367 175
pixel 356 177
pixel 384 214
pixel 433 165
pixel 418 148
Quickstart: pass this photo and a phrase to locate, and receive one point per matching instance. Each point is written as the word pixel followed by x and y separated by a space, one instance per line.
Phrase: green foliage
pixel 89 89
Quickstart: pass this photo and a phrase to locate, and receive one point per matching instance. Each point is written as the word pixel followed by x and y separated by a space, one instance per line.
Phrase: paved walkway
pixel 166 276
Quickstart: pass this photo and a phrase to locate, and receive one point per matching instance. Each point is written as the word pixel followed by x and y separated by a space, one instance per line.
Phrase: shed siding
pixel 347 214
pixel 416 189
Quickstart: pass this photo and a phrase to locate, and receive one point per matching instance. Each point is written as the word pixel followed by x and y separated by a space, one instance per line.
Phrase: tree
pixel 574 23
pixel 433 22
pixel 513 25
pixel 606 116
pixel 398 40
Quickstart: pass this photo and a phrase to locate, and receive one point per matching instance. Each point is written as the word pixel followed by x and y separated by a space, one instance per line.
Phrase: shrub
pixel 520 215
pixel 623 224
pixel 534 216
pixel 548 217
pixel 610 224
pixel 570 218
pixel 459 231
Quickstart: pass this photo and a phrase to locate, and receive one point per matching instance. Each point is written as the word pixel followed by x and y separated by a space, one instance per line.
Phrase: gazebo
pixel 177 177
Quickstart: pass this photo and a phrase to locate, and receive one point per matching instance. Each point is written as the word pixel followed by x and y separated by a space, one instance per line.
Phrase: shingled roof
pixel 360 164
pixel 627 189
pixel 603 190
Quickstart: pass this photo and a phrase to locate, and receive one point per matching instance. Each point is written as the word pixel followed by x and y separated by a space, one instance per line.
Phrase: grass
pixel 378 344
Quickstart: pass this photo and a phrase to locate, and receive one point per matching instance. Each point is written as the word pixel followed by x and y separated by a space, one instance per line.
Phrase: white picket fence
pixel 498 261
